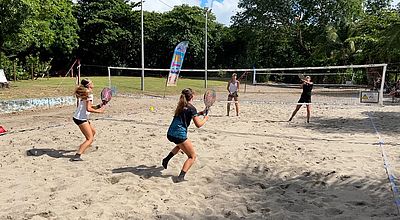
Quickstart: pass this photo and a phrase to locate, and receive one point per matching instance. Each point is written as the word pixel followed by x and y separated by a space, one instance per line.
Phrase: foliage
pixel 43 28
pixel 106 28
pixel 265 33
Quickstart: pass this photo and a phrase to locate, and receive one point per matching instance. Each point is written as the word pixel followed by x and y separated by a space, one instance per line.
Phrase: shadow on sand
pixel 143 171
pixel 35 152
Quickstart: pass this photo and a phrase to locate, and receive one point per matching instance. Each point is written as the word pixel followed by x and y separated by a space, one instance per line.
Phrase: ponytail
pixel 186 96
pixel 82 91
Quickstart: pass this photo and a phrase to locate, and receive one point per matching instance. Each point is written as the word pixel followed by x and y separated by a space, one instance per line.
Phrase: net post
pixel 382 85
pixel 254 76
pixel 109 77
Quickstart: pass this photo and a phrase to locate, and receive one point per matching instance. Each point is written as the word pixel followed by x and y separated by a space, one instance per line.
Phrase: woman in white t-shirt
pixel 233 88
pixel 81 116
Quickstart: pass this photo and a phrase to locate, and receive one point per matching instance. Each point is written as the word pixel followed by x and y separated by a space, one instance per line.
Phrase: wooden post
pixel 245 83
pixel 31 71
pixel 14 69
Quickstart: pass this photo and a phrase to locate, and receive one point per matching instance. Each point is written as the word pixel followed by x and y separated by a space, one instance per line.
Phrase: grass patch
pixel 64 86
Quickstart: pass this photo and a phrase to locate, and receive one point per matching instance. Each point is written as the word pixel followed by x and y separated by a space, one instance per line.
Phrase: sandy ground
pixel 256 166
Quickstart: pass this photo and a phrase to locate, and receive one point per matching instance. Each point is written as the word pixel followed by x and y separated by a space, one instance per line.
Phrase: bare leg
pixel 228 106
pixel 237 106
pixel 294 112
pixel 86 129
pixel 308 113
pixel 186 147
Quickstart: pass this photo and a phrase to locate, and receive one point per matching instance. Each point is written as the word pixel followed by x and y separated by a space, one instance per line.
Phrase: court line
pixel 392 178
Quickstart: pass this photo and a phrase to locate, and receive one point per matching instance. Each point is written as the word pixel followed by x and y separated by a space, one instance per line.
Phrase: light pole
pixel 205 52
pixel 206 46
pixel 142 81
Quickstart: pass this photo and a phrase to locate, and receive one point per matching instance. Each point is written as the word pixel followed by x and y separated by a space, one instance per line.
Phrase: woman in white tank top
pixel 233 88
pixel 81 116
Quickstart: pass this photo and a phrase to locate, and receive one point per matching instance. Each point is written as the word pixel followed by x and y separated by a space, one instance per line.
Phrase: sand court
pixel 255 166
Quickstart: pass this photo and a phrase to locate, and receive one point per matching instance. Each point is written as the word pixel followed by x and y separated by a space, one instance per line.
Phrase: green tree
pixel 44 28
pixel 298 32
pixel 107 30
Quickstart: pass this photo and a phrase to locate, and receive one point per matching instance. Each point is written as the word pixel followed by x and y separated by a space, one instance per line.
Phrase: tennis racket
pixel 106 95
pixel 209 98
pixel 301 76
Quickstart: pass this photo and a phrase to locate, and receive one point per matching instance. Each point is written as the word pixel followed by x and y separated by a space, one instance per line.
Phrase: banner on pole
pixel 176 64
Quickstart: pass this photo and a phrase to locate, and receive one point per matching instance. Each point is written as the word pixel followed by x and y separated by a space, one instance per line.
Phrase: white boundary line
pixel 386 164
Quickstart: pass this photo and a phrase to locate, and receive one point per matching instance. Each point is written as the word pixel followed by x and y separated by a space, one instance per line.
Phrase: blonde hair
pixel 82 91
pixel 186 96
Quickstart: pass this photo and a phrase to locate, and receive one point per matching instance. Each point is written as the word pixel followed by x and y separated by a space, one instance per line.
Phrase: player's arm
pixel 199 122
pixel 90 107
pixel 227 87
pixel 238 85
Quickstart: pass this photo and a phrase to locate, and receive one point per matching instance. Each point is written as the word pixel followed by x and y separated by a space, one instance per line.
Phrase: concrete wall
pixel 24 104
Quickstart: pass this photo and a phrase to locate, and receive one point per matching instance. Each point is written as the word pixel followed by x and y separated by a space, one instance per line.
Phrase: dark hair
pixel 186 96
pixel 85 82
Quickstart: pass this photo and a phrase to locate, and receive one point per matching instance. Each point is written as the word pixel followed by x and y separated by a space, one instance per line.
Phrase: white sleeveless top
pixel 81 112
pixel 233 87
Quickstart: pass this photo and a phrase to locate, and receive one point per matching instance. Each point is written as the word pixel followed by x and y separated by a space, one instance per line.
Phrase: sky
pixel 222 9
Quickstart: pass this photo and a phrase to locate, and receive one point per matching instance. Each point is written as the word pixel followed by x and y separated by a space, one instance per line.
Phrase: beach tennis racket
pixel 209 98
pixel 106 95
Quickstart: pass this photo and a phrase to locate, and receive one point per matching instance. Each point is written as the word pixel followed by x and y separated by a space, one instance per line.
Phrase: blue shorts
pixel 175 139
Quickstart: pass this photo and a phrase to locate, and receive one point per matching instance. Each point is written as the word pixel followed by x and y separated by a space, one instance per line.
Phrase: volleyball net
pixel 351 84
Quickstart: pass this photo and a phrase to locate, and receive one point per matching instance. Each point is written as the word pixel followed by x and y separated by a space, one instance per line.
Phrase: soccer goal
pixel 352 84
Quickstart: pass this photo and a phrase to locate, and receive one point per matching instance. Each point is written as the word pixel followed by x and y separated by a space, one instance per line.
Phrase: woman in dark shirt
pixel 177 131
pixel 305 98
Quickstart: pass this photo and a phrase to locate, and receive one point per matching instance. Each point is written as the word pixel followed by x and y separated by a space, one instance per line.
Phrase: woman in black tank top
pixel 305 98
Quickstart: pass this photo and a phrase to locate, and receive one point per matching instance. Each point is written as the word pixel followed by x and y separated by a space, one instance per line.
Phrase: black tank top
pixel 307 87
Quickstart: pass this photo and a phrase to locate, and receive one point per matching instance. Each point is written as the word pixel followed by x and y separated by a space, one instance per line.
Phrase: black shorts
pixel 305 99
pixel 79 122
pixel 175 139
pixel 233 95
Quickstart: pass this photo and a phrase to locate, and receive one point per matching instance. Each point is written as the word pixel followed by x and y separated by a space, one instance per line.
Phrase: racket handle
pixel 205 111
